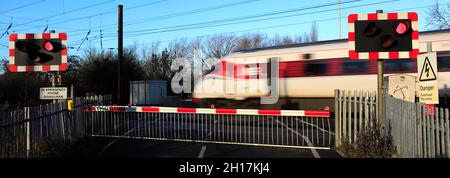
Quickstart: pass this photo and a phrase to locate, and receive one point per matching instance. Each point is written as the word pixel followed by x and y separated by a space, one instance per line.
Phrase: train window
pixel 355 66
pixel 400 65
pixel 316 68
pixel 443 62
pixel 230 70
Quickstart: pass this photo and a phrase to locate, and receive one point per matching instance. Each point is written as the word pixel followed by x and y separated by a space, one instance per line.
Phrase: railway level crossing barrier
pixel 276 128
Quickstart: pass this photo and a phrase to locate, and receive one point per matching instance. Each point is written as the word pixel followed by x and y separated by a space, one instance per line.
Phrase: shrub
pixel 370 143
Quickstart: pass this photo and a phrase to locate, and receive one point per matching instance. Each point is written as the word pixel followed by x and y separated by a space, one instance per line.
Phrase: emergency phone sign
pixel 53 93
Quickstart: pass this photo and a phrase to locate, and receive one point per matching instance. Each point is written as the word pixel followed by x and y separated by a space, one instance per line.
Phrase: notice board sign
pixel 53 93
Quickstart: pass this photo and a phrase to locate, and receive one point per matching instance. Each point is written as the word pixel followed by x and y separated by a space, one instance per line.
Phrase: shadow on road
pixel 136 148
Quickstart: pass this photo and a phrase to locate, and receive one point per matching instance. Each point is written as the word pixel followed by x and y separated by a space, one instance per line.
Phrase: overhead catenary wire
pixel 23 6
pixel 238 18
pixel 208 25
pixel 66 12
pixel 106 36
pixel 173 15
pixel 45 28
pixel 7 30
pixel 262 14
pixel 85 38
pixel 241 22
pixel 259 16
pixel 30 26
pixel 190 12
pixel 239 31
pixel 269 27
pixel 100 14
pixel 101 35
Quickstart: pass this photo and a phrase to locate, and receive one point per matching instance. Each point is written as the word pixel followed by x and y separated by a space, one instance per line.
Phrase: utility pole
pixel 380 78
pixel 340 19
pixel 120 52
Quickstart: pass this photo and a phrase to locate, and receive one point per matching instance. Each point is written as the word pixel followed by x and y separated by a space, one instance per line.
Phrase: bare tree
pixel 306 38
pixel 184 48
pixel 155 47
pixel 180 48
pixel 281 40
pixel 195 47
pixel 438 17
pixel 298 38
pixel 253 40
pixel 219 45
pixel 314 34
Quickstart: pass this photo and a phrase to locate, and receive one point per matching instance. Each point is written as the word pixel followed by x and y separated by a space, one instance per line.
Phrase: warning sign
pixel 427 73
pixel 53 93
pixel 402 87
pixel 428 83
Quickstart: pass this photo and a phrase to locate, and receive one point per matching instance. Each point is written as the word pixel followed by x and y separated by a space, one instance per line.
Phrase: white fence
pixel 416 130
pixel 354 111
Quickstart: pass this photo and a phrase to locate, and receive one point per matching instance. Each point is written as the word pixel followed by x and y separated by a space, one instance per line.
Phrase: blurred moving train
pixel 308 74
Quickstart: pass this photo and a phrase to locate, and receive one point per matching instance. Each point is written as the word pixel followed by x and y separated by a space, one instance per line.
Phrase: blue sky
pixel 147 21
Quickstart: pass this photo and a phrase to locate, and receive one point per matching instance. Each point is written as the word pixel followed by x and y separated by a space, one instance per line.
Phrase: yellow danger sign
pixel 428 78
pixel 427 73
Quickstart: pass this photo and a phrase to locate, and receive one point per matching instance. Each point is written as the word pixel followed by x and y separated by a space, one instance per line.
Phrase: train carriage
pixel 308 74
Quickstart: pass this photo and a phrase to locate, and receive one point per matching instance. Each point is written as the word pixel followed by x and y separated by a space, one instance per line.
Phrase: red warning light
pixel 403 27
pixel 48 46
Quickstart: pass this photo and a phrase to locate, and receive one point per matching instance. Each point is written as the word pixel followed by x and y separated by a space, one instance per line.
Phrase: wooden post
pixel 380 64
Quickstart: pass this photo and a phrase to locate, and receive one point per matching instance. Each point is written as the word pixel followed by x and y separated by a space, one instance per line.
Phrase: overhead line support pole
pixel 120 53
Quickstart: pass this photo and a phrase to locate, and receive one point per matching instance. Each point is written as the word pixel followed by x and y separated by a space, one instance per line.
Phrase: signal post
pixel 46 52
pixel 380 36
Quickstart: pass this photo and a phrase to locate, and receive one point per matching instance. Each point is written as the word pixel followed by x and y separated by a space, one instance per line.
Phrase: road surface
pixel 140 148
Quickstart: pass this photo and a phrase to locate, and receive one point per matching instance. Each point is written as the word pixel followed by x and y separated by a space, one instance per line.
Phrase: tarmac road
pixel 140 148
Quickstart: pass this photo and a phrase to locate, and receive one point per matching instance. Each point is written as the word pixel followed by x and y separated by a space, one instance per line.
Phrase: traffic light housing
pixel 38 52
pixel 57 80
pixel 383 36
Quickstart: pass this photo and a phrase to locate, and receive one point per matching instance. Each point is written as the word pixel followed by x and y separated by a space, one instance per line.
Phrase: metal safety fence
pixel 415 130
pixel 354 111
pixel 280 128
pixel 21 129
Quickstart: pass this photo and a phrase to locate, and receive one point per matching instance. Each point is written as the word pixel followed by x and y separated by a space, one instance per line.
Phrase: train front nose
pixel 201 89
pixel 197 92
pixel 208 87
